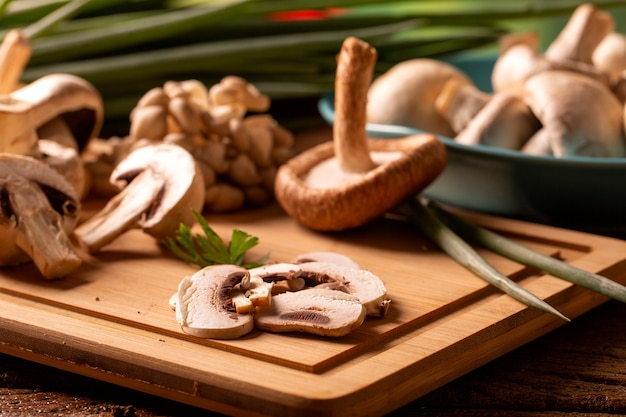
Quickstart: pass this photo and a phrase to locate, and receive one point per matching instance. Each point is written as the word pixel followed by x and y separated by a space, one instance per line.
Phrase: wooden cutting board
pixel 111 319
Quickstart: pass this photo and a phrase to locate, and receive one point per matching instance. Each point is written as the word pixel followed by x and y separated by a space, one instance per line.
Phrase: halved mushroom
pixel 161 187
pixel 361 283
pixel 204 306
pixel 351 181
pixel 579 116
pixel 68 97
pixel 317 311
pixel 38 210
pixel 67 161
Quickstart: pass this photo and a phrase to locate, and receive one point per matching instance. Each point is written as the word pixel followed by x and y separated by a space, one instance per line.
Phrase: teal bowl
pixel 581 193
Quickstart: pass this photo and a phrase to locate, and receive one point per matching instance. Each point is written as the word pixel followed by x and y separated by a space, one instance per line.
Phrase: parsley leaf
pixel 210 249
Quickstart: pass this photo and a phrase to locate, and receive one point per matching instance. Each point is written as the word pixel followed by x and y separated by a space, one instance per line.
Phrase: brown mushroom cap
pixel 366 197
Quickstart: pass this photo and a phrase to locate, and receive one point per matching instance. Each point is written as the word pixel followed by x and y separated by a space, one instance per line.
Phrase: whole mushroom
pixel 348 182
pixel 404 95
pixel 579 116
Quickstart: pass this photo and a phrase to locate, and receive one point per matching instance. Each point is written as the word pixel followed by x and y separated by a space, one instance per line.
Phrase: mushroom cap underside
pixel 376 192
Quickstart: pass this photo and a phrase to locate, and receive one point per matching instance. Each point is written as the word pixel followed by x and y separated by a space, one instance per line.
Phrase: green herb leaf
pixel 210 249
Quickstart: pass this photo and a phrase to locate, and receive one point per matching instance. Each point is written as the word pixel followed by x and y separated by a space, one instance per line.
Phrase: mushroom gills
pixel 317 311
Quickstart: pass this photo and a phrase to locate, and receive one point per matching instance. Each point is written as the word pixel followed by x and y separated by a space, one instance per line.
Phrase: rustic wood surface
pixel 578 370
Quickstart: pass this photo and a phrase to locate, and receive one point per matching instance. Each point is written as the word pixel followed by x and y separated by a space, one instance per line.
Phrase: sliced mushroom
pixel 161 187
pixel 579 116
pixel 351 181
pixel 361 283
pixel 404 95
pixel 38 210
pixel 204 306
pixel 326 256
pixel 316 311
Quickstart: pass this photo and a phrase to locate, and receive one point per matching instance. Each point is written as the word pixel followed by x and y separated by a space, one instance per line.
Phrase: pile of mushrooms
pixel 354 179
pixel 236 145
pixel 45 126
pixel 322 293
pixel 567 101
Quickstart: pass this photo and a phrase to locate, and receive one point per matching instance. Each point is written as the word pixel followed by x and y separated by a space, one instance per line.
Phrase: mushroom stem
pixel 123 211
pixel 15 52
pixel 37 226
pixel 355 67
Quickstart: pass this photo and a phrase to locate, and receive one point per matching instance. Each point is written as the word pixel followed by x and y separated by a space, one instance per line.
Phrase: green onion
pixel 526 256
pixel 459 250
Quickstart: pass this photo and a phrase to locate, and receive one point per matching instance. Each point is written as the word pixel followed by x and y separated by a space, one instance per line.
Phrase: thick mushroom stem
pixel 17 130
pixel 15 52
pixel 355 67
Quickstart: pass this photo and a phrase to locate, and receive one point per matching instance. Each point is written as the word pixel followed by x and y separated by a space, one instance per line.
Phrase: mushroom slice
pixel 316 311
pixel 361 283
pixel 161 187
pixel 38 210
pixel 353 180
pixel 326 256
pixel 204 307
pixel 579 116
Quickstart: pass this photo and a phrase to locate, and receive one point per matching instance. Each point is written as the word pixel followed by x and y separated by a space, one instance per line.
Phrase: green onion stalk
pixel 285 48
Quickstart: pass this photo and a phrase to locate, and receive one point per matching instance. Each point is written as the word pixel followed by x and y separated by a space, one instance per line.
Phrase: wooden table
pixel 578 369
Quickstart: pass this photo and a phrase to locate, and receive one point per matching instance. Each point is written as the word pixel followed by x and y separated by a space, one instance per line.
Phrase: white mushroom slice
pixel 38 210
pixel 316 311
pixel 204 307
pixel 161 188
pixel 361 283
pixel 327 256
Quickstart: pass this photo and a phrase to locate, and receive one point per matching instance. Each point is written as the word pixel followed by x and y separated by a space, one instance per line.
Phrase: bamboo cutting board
pixel 111 319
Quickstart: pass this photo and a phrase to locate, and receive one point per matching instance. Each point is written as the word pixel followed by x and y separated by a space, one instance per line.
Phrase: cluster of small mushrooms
pixel 566 101
pixel 322 293
pixel 190 148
